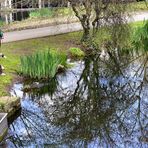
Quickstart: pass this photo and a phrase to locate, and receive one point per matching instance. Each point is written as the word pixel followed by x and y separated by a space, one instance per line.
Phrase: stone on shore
pixel 9 105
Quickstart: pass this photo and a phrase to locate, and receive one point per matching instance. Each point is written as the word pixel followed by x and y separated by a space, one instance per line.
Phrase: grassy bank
pixel 14 50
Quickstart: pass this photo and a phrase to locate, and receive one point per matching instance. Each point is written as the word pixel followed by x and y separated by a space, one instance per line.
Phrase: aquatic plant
pixel 76 52
pixel 43 64
pixel 140 38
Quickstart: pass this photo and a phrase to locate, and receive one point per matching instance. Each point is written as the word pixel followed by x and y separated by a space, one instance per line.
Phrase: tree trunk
pixel 86 35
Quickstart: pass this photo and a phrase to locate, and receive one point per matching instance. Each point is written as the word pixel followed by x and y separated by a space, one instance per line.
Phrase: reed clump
pixel 43 64
pixel 140 37
pixel 76 52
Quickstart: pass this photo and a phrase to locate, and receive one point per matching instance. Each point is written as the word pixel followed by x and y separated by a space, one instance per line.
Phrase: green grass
pixel 136 24
pixel 140 37
pixel 43 64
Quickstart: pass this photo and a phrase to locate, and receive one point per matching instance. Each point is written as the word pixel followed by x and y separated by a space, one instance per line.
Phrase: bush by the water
pixel 43 64
pixel 140 39
pixel 76 52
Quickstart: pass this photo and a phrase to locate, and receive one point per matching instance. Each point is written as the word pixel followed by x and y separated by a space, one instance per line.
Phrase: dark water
pixel 99 103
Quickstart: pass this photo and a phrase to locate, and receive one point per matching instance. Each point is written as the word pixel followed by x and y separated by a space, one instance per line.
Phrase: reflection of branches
pixel 34 126
pixel 90 100
pixel 105 108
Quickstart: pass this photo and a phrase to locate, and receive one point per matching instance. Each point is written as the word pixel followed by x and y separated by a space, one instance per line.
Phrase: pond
pixel 98 103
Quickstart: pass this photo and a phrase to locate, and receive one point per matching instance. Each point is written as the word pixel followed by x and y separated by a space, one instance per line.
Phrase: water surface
pixel 98 103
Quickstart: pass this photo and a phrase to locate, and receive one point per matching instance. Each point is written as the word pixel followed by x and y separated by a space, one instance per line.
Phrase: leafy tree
pixel 95 13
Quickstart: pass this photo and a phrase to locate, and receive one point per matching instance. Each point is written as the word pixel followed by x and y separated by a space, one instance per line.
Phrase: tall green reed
pixel 140 37
pixel 42 64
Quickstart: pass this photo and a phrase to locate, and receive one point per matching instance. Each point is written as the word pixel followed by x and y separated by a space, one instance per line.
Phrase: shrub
pixel 44 12
pixel 140 38
pixel 63 11
pixel 76 52
pixel 42 64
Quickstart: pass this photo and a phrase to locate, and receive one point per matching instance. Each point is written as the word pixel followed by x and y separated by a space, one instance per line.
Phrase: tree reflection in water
pixel 99 103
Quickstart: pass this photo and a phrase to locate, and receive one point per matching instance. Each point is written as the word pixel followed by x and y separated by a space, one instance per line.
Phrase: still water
pixel 98 103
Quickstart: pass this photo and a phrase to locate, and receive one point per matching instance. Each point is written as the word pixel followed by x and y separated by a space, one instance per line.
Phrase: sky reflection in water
pixel 97 103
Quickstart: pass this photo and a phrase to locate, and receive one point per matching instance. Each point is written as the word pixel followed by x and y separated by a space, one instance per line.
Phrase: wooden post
pixel 11 17
pixel 6 19
pixel 68 4
pixel 40 4
pixel 10 4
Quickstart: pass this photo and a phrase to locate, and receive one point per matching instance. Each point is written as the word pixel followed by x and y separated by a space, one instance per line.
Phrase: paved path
pixel 55 30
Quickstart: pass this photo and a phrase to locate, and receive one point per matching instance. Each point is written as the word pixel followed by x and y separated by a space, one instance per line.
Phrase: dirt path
pixel 58 29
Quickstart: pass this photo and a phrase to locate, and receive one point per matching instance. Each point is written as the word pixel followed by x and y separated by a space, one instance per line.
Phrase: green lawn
pixel 14 50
